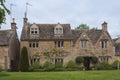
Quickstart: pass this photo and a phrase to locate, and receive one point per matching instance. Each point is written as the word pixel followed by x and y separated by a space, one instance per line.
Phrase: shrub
pixel 58 65
pixel 48 66
pixel 79 60
pixel 35 65
pixel 94 60
pixel 115 64
pixel 71 64
pixel 24 62
pixel 104 66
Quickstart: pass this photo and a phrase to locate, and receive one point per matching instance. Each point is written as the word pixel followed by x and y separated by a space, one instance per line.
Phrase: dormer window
pixel 58 30
pixel 34 31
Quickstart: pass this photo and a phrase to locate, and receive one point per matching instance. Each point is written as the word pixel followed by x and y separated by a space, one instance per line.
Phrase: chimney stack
pixel 25 19
pixel 13 24
pixel 104 26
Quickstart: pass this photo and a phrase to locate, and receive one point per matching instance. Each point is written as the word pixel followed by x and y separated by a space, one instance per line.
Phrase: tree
pixel 82 26
pixel 54 53
pixel 3 11
pixel 24 62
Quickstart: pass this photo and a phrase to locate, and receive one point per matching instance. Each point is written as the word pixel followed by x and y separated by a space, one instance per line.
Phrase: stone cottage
pixel 9 48
pixel 41 38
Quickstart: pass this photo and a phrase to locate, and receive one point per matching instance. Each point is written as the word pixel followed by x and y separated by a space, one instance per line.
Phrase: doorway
pixel 87 63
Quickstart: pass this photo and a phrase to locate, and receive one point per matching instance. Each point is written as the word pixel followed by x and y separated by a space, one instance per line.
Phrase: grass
pixel 74 75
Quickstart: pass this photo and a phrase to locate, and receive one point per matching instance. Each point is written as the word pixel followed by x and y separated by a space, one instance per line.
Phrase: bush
pixel 79 60
pixel 58 65
pixel 71 64
pixel 115 64
pixel 48 66
pixel 30 69
pixel 94 60
pixel 24 62
pixel 36 65
pixel 104 66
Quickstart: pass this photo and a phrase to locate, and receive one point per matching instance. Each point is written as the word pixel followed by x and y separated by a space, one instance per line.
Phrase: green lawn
pixel 74 75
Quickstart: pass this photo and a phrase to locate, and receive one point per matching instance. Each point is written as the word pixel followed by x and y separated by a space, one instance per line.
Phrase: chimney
pixel 104 26
pixel 25 19
pixel 13 24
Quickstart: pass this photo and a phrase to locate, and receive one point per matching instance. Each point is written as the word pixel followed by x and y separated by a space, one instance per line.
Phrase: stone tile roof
pixel 46 32
pixel 5 36
pixel 94 35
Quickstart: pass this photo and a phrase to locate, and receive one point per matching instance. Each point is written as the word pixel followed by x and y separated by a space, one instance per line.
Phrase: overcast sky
pixel 74 12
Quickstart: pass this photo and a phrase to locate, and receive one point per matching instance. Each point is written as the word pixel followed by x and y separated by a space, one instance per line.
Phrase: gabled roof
pixel 93 35
pixel 5 36
pixel 76 34
pixel 46 32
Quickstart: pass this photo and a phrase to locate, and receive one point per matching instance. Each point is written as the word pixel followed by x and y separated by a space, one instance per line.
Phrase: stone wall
pixel 4 58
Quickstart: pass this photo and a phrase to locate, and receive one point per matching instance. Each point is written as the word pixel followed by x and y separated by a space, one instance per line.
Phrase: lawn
pixel 74 75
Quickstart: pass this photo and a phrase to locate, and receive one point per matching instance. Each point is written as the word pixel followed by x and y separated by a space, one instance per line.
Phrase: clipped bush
pixel 104 66
pixel 24 62
pixel 115 64
pixel 71 64
pixel 48 66
pixel 79 60
pixel 94 60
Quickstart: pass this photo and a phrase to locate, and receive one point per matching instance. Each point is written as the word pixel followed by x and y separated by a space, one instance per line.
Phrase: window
pixel 59 44
pixel 83 44
pixel 104 44
pixel 34 59
pixel 58 60
pixel 103 58
pixel 58 31
pixel 55 60
pixel 33 44
pixel 34 31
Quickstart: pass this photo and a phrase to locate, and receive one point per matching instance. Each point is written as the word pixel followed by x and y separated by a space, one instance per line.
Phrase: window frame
pixel 83 44
pixel 33 44
pixel 34 31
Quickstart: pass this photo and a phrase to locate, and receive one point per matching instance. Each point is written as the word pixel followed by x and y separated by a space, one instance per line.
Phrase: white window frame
pixel 104 44
pixel 58 31
pixel 34 31
pixel 83 44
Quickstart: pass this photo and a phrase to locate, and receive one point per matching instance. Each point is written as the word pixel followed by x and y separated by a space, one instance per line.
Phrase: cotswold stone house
pixel 9 48
pixel 40 38
pixel 117 48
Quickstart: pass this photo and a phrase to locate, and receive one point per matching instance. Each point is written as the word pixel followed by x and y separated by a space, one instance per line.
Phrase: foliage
pixel 71 64
pixel 79 60
pixel 36 65
pixel 3 11
pixel 82 26
pixel 115 64
pixel 24 62
pixel 104 66
pixel 94 60
pixel 58 65
pixel 48 66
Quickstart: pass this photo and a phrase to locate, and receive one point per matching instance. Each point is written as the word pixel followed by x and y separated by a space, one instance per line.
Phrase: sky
pixel 74 12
